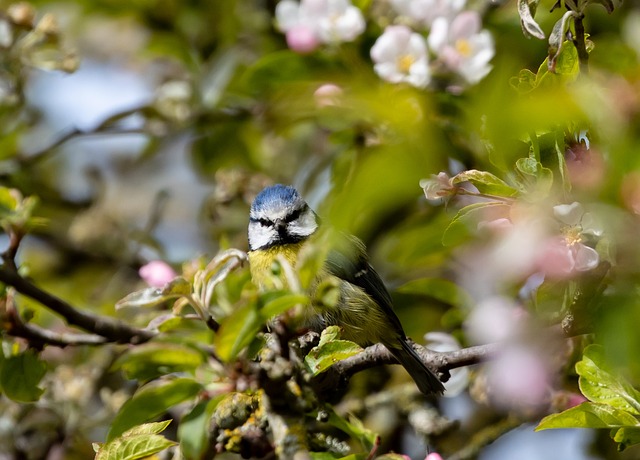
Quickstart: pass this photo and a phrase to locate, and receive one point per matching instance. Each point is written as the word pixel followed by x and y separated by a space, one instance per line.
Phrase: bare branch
pixel 112 330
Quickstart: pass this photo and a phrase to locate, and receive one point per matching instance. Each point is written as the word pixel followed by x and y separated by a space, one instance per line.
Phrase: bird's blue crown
pixel 275 196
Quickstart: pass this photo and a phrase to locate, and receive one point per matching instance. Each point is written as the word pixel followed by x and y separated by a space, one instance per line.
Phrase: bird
pixel 281 223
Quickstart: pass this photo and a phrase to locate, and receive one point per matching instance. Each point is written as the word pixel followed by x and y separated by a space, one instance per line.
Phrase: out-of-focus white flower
pixel 424 12
pixel 462 46
pixel 564 255
pixel 440 341
pixel 311 22
pixel 495 319
pixel 437 187
pixel 157 273
pixel 518 379
pixel 400 55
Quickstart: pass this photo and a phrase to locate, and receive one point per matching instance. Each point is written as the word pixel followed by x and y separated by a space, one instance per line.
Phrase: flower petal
pixel 570 214
pixel 586 258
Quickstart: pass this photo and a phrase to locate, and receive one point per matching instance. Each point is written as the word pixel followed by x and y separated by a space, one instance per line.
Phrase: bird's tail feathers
pixel 425 379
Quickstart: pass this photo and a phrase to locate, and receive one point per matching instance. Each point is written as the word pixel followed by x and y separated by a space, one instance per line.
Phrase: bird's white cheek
pixel 260 235
pixel 305 226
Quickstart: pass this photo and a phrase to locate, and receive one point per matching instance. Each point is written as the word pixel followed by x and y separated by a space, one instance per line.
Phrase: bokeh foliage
pixel 245 110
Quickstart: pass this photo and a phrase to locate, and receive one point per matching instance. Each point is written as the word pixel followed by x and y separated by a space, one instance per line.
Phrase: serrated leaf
pixel 148 428
pixel 485 182
pixel 21 375
pixel 529 26
pixel 588 415
pixel 150 360
pixel 458 228
pixel 599 385
pixel 329 351
pixel 440 289
pixel 133 447
pixel 152 401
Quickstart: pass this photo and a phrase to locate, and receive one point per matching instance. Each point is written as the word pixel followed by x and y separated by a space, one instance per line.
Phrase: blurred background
pixel 146 127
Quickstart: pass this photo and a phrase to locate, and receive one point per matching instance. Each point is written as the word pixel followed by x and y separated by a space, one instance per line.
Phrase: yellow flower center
pixel 405 62
pixel 463 47
pixel 573 235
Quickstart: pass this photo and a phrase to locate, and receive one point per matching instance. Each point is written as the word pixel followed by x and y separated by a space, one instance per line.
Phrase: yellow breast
pixel 262 261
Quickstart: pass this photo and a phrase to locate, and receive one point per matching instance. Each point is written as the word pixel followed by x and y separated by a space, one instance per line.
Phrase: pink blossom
pixel 433 456
pixel 311 22
pixel 327 95
pixel 157 273
pixel 519 378
pixel 301 39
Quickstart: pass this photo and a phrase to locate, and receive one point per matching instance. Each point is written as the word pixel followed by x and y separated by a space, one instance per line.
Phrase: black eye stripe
pixel 294 215
pixel 261 221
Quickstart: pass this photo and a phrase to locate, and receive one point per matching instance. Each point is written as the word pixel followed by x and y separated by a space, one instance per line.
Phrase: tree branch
pixel 112 330
pixel 440 362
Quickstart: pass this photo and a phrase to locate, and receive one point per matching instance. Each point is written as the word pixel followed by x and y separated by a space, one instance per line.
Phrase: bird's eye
pixel 265 222
pixel 294 215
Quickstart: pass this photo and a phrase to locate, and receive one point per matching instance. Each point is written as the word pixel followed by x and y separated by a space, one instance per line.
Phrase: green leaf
pixel 588 415
pixel 557 39
pixel 485 182
pixel 524 82
pixel 626 437
pixel 151 360
pixel 21 375
pixel 535 175
pixel 529 26
pixel 152 401
pixel 193 432
pixel 609 5
pixel 329 351
pixel 467 217
pixel 281 304
pixel 353 427
pixel 138 442
pixel 237 331
pixel 8 202
pixel 599 385
pixel 442 290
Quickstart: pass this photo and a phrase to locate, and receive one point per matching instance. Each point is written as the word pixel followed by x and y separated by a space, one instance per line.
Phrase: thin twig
pixel 112 330
pixel 39 337
pixel 580 43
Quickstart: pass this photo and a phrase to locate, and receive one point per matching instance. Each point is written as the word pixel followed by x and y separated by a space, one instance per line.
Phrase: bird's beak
pixel 281 227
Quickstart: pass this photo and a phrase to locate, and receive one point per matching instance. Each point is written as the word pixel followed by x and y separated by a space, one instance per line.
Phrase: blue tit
pixel 280 224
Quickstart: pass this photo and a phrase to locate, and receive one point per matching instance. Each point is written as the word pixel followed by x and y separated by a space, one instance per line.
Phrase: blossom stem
pixel 506 199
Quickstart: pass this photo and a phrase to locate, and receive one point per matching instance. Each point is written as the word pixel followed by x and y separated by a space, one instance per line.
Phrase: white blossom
pixel 400 55
pixel 424 12
pixel 311 22
pixel 462 46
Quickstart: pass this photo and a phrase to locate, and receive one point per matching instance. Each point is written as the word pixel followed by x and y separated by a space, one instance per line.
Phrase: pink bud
pixel 302 39
pixel 575 399
pixel 327 95
pixel 433 456
pixel 157 273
